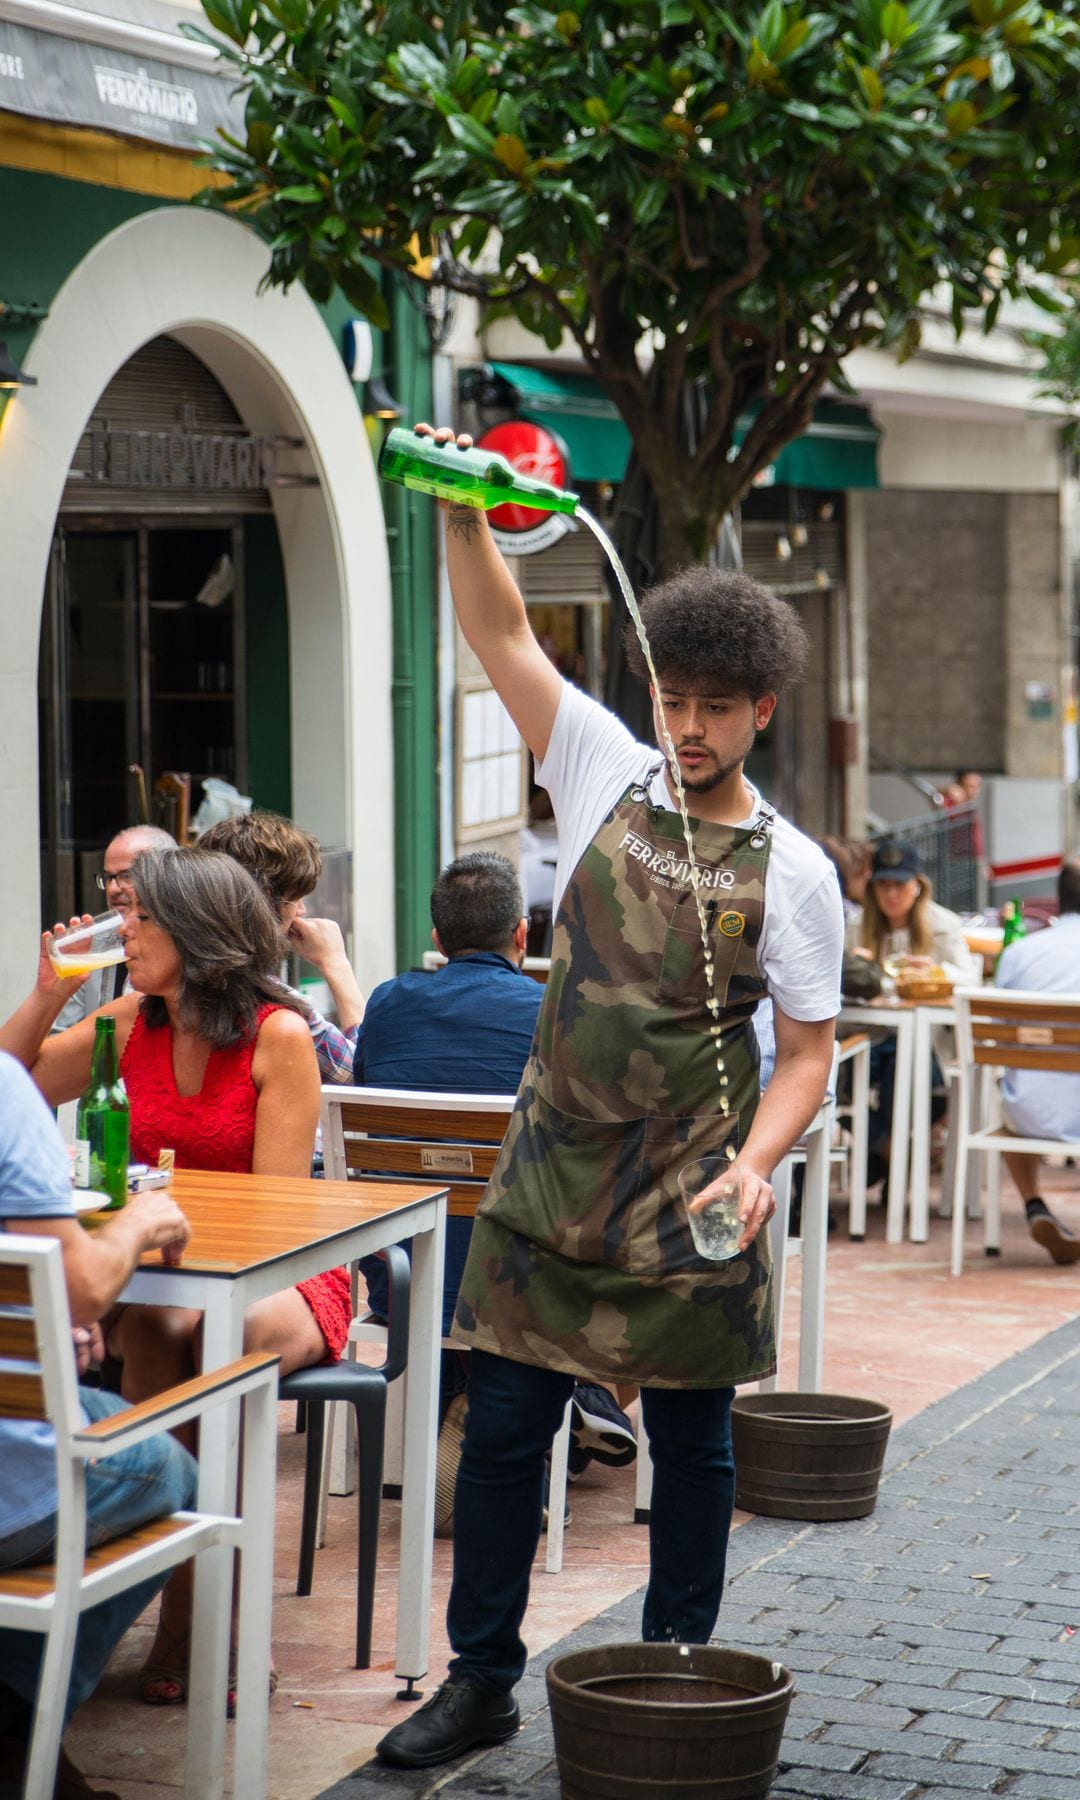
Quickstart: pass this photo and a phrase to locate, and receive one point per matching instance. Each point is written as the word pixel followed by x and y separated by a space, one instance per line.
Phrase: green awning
pixel 577 410
pixel 839 450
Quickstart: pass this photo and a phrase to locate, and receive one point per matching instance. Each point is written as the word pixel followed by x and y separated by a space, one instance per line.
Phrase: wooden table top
pixel 241 1221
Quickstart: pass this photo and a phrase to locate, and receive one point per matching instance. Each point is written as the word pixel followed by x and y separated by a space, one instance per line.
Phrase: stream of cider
pixel 712 998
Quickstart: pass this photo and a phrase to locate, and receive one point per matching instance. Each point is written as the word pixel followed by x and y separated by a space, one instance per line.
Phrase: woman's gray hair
pixel 224 931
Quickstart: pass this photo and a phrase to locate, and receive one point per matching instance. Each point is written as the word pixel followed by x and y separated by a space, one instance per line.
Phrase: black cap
pixel 895 861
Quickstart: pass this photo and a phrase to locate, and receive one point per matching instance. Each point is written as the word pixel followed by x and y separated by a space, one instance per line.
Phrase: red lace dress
pixel 214 1129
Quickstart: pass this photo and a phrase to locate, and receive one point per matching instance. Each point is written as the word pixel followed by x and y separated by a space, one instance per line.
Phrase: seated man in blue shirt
pixel 132 1487
pixel 1037 1104
pixel 468 1029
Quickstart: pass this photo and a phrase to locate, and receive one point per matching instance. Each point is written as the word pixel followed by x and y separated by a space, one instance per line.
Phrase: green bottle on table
pixel 103 1123
pixel 468 477
pixel 1012 918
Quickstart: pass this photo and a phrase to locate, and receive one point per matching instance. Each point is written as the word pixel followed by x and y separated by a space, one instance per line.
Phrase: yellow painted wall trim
pixel 98 157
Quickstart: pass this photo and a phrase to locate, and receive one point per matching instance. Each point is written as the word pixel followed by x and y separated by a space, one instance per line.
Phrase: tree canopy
pixel 730 199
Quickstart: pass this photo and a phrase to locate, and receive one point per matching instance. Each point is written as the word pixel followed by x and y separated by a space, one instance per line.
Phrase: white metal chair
pixel 38 1382
pixel 1002 1028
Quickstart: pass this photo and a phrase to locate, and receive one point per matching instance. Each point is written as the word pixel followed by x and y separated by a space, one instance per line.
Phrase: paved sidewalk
pixel 933 1643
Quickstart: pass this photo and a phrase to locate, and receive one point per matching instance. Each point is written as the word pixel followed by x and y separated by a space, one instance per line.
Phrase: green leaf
pixel 909 340
pixel 308 195
pixel 771 28
pixel 1002 72
pixel 1051 303
pixel 472 134
pixel 231 17
pixel 362 291
pixel 649 203
pixel 260 139
pixel 508 116
pixel 870 82
pixel 960 117
pixel 794 37
pixel 596 110
pixel 511 152
pixel 342 112
pixel 894 24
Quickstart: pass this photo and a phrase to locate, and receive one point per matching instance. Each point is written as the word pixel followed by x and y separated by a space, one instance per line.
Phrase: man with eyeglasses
pixel 113 883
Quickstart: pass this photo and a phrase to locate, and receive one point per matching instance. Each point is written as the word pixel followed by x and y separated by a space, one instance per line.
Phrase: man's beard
pixel 712 777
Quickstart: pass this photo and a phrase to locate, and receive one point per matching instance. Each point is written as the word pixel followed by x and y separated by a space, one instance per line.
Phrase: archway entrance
pixel 192 277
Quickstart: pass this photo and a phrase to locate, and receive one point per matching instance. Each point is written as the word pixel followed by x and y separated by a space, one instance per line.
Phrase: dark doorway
pixel 142 661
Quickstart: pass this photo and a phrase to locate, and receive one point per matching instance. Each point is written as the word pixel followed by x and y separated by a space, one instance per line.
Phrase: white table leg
pixel 418 1463
pixel 901 1126
pixel 815 1228
pixel 860 1131
pixel 921 1083
pixel 223 1333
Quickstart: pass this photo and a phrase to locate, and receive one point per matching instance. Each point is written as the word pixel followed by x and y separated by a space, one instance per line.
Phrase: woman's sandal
pixel 170 1669
pixel 166 1668
pixel 230 1703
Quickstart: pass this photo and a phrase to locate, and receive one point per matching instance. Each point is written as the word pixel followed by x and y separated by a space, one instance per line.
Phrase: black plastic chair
pixel 364 1389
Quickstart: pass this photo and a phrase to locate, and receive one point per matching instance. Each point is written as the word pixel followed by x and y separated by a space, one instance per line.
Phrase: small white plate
pixel 87 1200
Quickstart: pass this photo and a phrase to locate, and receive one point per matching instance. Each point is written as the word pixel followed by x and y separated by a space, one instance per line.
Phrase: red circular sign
pixel 537 453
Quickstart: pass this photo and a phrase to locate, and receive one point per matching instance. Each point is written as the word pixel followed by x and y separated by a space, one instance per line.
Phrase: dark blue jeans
pixel 122 1491
pixel 514 1412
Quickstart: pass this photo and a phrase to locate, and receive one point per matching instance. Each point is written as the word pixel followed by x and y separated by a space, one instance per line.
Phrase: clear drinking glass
pixel 717 1228
pixel 79 949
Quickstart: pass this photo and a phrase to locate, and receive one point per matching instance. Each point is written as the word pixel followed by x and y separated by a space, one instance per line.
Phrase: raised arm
pixel 60 1064
pixel 320 942
pixel 492 616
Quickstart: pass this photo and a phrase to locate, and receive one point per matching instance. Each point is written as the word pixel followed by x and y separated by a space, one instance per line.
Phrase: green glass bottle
pixel 468 477
pixel 103 1123
pixel 1012 919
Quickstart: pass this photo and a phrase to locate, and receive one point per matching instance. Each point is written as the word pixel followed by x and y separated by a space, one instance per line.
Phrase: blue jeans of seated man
pixel 123 1491
pixel 514 1411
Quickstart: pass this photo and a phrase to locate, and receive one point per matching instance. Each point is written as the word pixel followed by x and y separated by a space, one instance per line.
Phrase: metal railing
pixel 947 842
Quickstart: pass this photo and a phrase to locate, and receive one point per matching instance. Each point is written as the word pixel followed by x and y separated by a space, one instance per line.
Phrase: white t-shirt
pixel 591 761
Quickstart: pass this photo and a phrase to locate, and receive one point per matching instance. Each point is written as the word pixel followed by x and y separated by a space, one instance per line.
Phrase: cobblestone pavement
pixel 933 1643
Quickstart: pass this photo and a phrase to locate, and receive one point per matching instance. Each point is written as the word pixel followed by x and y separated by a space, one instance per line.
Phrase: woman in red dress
pixel 219 1067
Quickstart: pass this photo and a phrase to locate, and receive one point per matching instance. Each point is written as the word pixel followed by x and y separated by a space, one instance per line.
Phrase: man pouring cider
pixel 582 1263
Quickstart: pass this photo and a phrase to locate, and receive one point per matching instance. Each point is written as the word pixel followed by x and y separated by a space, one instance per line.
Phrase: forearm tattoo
pixel 463 522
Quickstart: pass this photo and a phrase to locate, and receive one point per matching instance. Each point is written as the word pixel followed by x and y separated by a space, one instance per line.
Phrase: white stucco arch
pixel 195 275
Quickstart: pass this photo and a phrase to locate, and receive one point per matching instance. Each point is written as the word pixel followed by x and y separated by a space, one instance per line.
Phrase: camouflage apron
pixel 581 1256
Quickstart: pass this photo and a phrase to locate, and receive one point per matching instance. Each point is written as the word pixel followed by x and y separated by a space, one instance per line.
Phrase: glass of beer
pixel 79 949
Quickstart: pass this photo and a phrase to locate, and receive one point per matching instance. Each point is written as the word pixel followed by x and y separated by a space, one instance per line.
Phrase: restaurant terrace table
pixel 251 1236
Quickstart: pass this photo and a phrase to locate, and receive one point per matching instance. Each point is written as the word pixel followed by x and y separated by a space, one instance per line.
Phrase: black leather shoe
pixel 460 1714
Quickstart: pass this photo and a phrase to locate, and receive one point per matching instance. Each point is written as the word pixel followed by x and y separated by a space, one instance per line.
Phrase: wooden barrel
pixel 808 1456
pixel 682 1721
